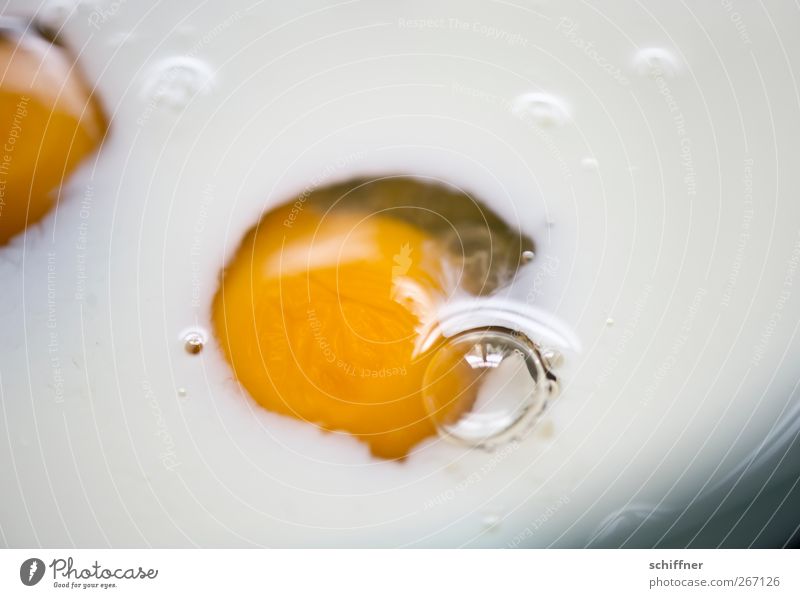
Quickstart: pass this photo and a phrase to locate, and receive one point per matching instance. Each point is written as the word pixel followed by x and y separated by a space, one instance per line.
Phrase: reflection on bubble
pixel 484 387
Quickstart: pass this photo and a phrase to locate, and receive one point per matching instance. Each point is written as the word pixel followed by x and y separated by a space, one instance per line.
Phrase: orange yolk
pixel 320 316
pixel 48 125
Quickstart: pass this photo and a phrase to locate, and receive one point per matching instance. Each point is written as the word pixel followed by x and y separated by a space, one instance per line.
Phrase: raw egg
pixel 321 311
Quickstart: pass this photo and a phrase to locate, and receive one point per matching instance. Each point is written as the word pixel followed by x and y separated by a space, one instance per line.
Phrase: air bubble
pixel 182 392
pixel 620 526
pixel 552 358
pixel 491 521
pixel 193 342
pixel 176 81
pixel 656 62
pixel 186 30
pixel 609 321
pixel 484 387
pixel 544 109
pixel 589 164
pixel 53 15
pixel 527 257
pixel 121 38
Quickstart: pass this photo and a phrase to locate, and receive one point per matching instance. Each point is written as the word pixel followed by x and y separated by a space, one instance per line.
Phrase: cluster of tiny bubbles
pixel 193 341
pixel 174 82
pixel 654 62
pixel 544 109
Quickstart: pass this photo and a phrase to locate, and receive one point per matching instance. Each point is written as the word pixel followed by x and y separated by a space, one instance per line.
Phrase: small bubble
pixel 176 81
pixel 491 521
pixel 186 30
pixel 546 110
pixel 121 38
pixel 553 358
pixel 53 15
pixel 621 525
pixel 193 342
pixel 610 322
pixel 655 62
pixel 589 164
pixel 527 257
pixel 546 429
pixel 182 392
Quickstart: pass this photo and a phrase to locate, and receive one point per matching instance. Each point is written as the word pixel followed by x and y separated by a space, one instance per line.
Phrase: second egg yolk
pixel 49 123
pixel 320 317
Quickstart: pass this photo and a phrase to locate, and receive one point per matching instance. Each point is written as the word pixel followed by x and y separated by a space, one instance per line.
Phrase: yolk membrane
pixel 320 318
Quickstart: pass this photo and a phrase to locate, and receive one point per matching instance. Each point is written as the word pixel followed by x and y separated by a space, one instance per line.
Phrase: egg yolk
pixel 320 318
pixel 48 124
